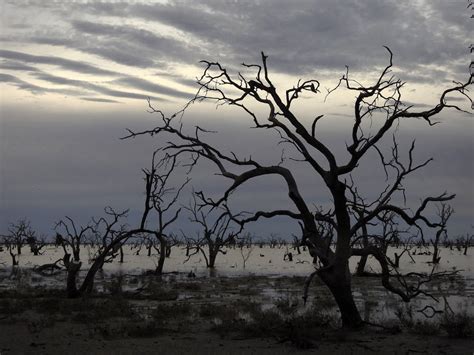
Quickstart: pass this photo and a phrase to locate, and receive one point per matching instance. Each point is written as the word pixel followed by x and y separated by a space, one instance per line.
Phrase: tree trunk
pixel 365 242
pixel 72 271
pixel 76 254
pixel 436 258
pixel 121 255
pixel 14 259
pixel 161 260
pixel 396 263
pixel 88 283
pixel 361 265
pixel 336 274
pixel 339 283
pixel 212 256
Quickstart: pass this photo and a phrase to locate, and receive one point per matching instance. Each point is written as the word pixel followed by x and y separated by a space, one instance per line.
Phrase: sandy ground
pixel 71 338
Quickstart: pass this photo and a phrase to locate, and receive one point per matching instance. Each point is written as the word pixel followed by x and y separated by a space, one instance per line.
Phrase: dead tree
pixel 379 103
pixel 18 235
pixel 104 231
pixel 363 238
pixel 215 232
pixel 122 254
pixel 9 244
pixel 444 212
pixel 107 230
pixel 407 246
pixel 70 238
pixel 296 244
pixel 160 202
pixel 109 234
pixel 467 243
pixel 463 243
pixel 36 244
pixel 272 240
pixel 246 248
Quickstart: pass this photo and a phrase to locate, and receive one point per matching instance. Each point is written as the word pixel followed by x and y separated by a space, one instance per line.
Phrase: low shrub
pixel 160 293
pixel 91 310
pixel 287 305
pixel 426 327
pixel 166 311
pixel 458 325
pixel 221 311
pixel 265 323
pixel 144 329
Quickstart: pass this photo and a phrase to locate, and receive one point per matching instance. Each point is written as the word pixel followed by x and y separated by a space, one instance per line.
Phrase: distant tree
pixel 464 242
pixel 245 247
pixel 273 240
pixel 107 230
pixel 378 110
pixel 36 243
pixel 215 233
pixel 71 238
pixel 160 202
pixel 18 235
pixel 296 244
pixel 109 234
pixel 444 213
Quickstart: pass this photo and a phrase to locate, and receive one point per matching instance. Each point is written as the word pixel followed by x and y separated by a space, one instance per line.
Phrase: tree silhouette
pixel 379 102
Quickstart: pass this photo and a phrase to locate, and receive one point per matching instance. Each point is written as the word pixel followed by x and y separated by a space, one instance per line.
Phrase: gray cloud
pixel 129 45
pixel 90 86
pixel 97 99
pixel 149 86
pixel 311 35
pixel 10 65
pixel 416 104
pixel 124 80
pixel 34 89
pixel 125 53
pixel 63 63
pixel 429 39
pixel 178 79
pixel 7 78
pixel 456 99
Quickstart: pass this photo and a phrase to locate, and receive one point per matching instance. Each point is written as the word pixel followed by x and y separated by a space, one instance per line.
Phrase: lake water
pixel 370 295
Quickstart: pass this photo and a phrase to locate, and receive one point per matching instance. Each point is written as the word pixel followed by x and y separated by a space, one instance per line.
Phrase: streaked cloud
pixel 429 38
pixel 90 86
pixel 305 36
pixel 62 63
pixel 12 65
pixel 32 88
pixel 97 99
pixel 151 87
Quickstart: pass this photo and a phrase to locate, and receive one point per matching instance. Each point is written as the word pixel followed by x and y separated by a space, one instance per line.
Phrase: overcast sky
pixel 73 76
